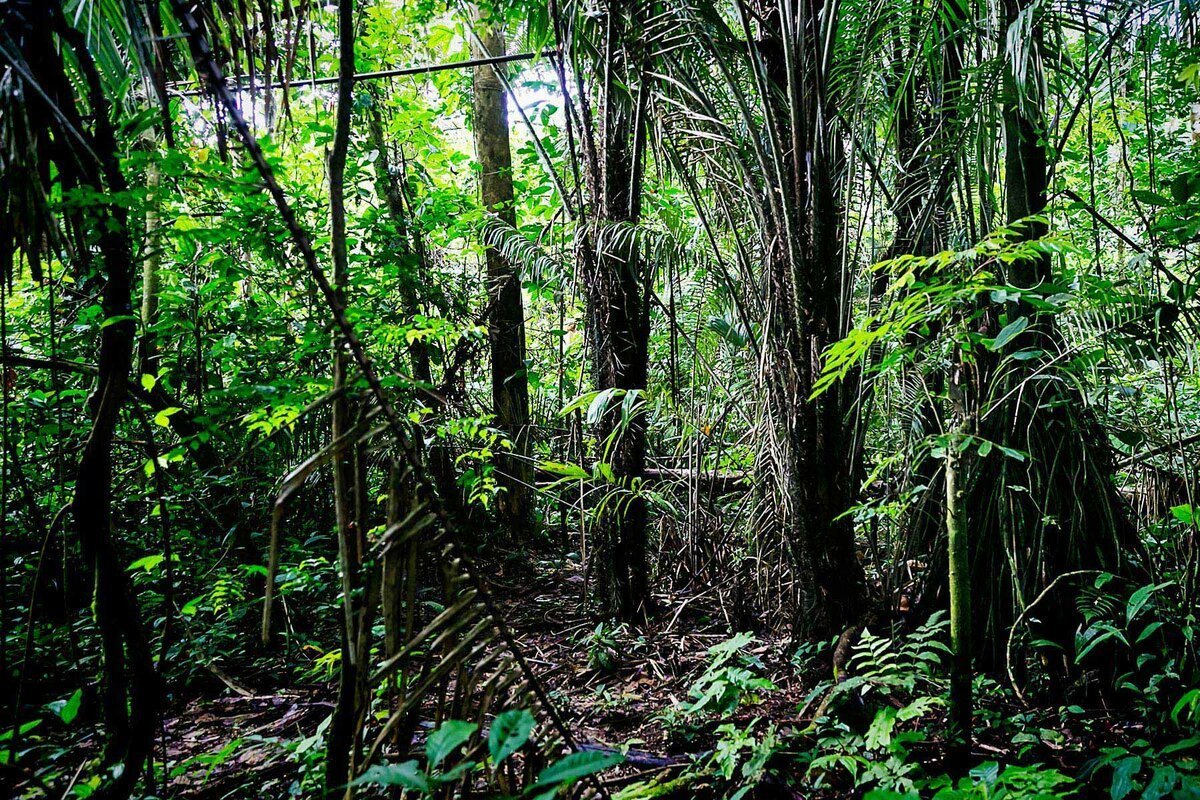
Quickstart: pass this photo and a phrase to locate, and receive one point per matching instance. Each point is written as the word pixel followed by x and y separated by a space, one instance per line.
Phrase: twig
pixel 1012 680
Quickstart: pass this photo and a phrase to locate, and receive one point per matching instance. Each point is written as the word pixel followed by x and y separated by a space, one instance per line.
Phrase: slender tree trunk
pixel 930 150
pixel 343 728
pixel 407 248
pixel 226 501
pixel 506 322
pixel 151 259
pixel 959 572
pixel 131 686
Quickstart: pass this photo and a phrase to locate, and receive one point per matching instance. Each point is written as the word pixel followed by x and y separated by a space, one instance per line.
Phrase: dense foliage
pixel 689 398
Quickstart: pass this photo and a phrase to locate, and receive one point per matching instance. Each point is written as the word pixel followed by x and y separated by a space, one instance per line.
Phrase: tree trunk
pixel 346 480
pixel 131 685
pixel 151 258
pixel 506 322
pixel 620 326
pixel 813 449
pixel 406 247
pixel 1071 517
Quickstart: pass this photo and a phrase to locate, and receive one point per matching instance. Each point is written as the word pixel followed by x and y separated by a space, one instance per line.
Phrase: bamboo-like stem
pixel 958 553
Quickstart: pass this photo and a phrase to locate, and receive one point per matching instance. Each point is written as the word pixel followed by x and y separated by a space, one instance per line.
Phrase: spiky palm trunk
pixel 1071 517
pixel 618 312
pixel 804 270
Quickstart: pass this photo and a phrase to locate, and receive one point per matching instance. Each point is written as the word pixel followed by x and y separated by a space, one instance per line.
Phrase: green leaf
pixel 148 382
pixel 163 418
pixel 1162 781
pixel 1181 187
pixel 1149 631
pixel 147 563
pixel 1184 514
pixel 578 403
pixel 572 471
pixel 577 765
pixel 117 319
pixel 71 709
pixel 454 774
pixel 1008 332
pixel 879 735
pixel 600 404
pixel 1150 198
pixel 68 709
pixel 510 731
pixel 25 728
pixel 1011 452
pixel 1123 774
pixel 407 774
pixel 448 738
pixel 1138 600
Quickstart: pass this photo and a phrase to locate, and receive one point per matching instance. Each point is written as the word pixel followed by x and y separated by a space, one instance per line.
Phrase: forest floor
pixel 613 685
pixel 616 687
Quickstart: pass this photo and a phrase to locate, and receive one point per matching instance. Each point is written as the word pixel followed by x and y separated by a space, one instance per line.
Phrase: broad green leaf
pixel 446 739
pixel 1181 187
pixel 1162 781
pixel 600 404
pixel 1150 198
pixel 1008 332
pixel 1139 599
pixel 117 319
pixel 1124 772
pixel 574 766
pixel 509 732
pixel 406 774
pixel 578 403
pixel 25 728
pixel 68 709
pixel 879 734
pixel 147 563
pixel 572 471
